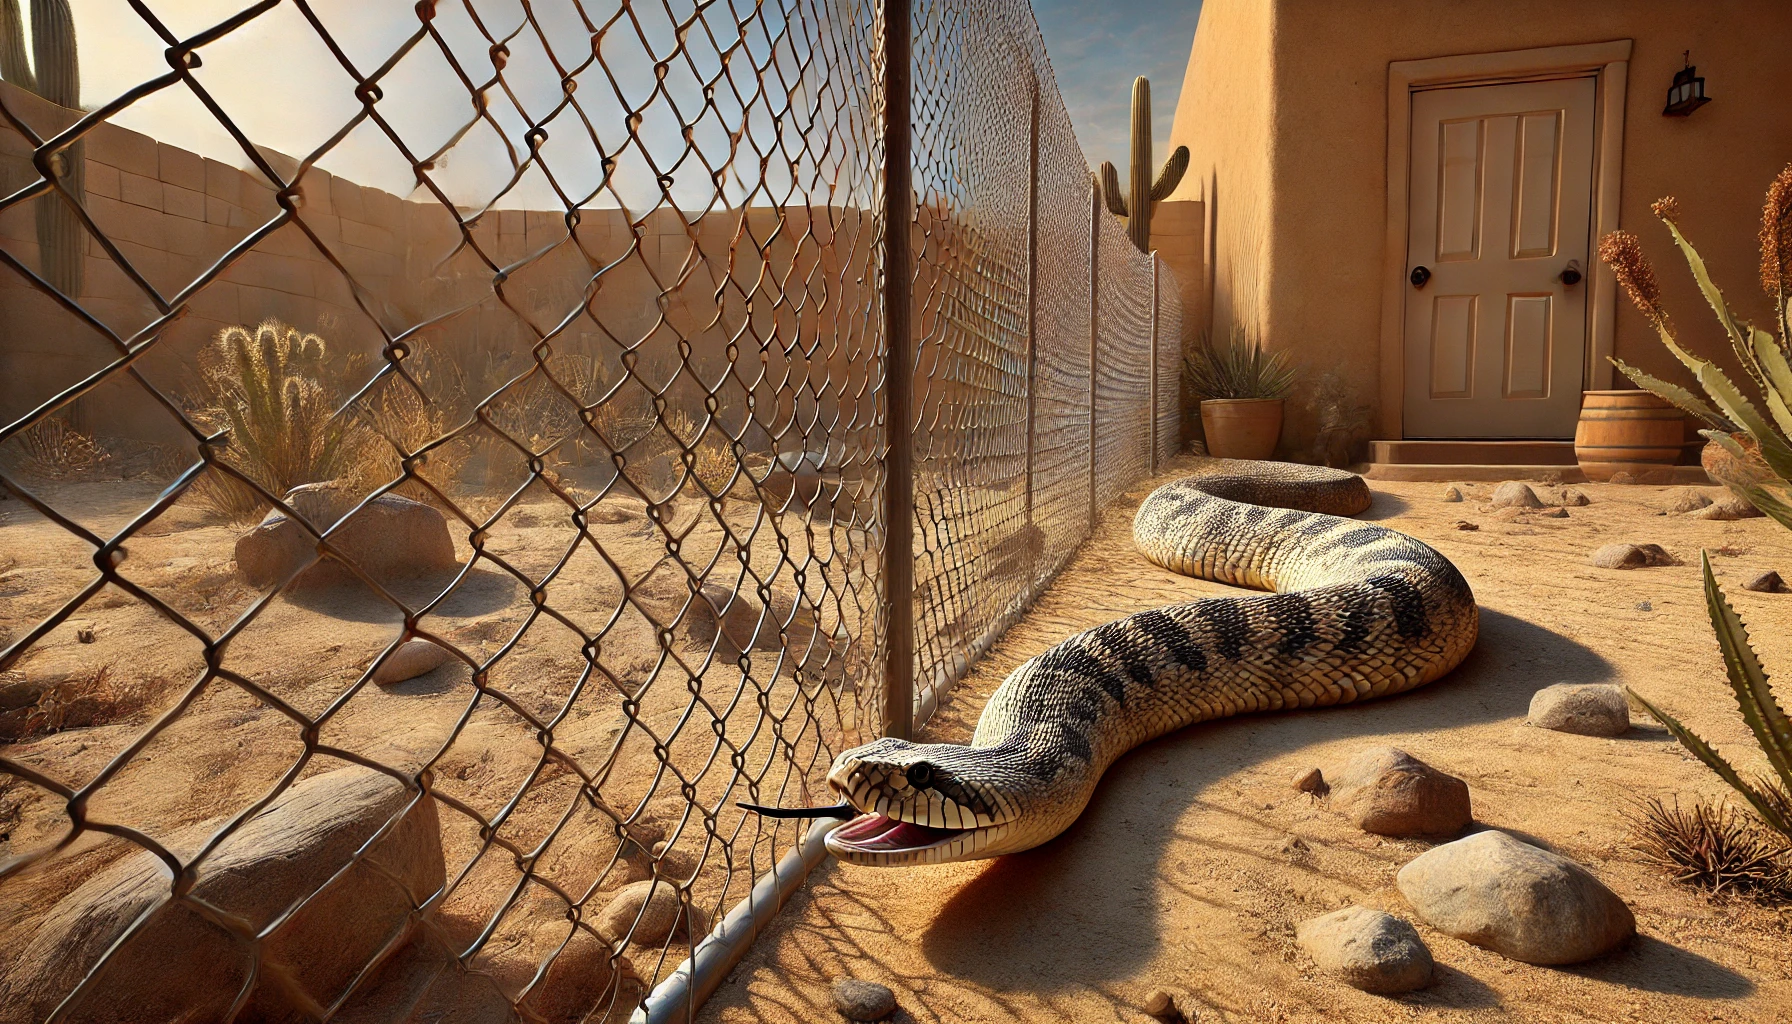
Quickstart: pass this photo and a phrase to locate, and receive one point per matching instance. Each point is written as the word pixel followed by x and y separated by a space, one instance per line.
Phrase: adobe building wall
pixel 1284 109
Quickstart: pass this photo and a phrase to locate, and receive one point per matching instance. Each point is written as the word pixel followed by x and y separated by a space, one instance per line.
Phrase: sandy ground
pixel 1197 857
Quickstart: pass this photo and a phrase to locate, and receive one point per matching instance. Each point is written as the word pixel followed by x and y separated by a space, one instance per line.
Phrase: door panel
pixel 1500 202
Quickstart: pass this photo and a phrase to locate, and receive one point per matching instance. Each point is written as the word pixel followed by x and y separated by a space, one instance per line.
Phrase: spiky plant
pixel 1143 193
pixel 267 387
pixel 1237 368
pixel 1713 847
pixel 1733 421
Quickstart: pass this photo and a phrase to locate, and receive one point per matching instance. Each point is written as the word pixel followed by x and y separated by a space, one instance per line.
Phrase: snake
pixel 1355 611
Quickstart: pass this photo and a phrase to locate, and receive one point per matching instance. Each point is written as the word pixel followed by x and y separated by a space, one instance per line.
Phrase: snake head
pixel 918 803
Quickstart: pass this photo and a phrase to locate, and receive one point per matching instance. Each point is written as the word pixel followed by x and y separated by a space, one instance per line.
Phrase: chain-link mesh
pixel 400 590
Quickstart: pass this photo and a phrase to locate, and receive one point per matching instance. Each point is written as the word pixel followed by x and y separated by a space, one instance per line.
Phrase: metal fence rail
pixel 415 546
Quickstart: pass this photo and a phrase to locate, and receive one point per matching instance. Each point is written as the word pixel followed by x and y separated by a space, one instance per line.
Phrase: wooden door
pixel 1499 209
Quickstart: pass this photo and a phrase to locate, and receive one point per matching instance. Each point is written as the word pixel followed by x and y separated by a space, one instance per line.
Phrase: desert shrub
pixel 91 700
pixel 1236 368
pixel 710 456
pixel 53 450
pixel 1734 419
pixel 269 386
pixel 1712 847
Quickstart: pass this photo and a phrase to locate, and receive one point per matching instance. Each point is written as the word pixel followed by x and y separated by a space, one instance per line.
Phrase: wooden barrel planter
pixel 1627 431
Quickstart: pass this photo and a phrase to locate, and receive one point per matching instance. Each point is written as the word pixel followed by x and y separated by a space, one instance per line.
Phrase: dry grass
pixel 90 700
pixel 1715 848
pixel 53 450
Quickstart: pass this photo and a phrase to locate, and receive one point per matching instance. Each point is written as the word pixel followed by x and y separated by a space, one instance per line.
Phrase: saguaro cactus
pixel 1144 192
pixel 57 78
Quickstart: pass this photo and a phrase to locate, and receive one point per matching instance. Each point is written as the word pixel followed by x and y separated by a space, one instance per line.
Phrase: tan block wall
pixel 1284 109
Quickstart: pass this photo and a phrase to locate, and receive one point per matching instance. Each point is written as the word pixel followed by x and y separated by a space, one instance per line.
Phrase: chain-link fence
pixel 412 549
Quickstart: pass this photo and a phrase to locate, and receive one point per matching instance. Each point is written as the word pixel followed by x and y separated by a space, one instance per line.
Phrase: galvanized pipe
pixel 1032 287
pixel 1151 462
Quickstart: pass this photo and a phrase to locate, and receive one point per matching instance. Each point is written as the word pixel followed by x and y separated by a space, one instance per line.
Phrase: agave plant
pixel 1237 368
pixel 1748 435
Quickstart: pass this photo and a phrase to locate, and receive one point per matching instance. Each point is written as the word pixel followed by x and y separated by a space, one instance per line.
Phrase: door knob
pixel 1420 275
pixel 1570 274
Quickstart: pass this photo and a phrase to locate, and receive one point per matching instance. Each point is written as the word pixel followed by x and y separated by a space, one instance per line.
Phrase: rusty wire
pixel 649 414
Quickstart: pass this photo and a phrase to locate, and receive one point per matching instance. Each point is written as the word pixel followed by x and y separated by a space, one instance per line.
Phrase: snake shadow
pixel 1065 890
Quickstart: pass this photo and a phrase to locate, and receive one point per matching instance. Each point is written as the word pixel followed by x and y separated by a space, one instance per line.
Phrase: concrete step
pixel 1690 476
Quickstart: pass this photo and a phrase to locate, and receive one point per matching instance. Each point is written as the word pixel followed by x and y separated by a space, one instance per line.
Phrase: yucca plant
pixel 1734 420
pixel 1237 368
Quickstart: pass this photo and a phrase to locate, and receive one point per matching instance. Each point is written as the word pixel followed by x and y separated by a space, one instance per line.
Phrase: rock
pixel 1368 949
pixel 1463 524
pixel 1515 494
pixel 1162 1005
pixel 1631 556
pixel 1511 514
pixel 390 538
pixel 1768 582
pixel 1622 477
pixel 1312 781
pixel 1684 499
pixel 664 915
pixel 1515 899
pixel 1389 792
pixel 1553 513
pixel 414 657
pixel 1576 499
pixel 179 966
pixel 1729 508
pixel 1739 475
pixel 1451 493
pixel 1585 709
pixel 863 1000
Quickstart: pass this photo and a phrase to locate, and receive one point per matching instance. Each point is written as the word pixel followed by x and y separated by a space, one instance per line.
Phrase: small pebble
pixel 1553 513
pixel 1768 582
pixel 84 634
pixel 1312 781
pixel 863 1000
pixel 1644 606
pixel 1451 493
pixel 1463 524
pixel 1576 499
pixel 1160 1004
pixel 1621 477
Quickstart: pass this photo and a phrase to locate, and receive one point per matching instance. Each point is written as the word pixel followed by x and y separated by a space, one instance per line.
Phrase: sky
pixel 285 89
pixel 1097 51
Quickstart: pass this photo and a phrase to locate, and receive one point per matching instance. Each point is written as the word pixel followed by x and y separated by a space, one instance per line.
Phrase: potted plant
pixel 1241 389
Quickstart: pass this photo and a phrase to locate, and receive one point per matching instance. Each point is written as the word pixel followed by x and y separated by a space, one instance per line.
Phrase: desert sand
pixel 1197 856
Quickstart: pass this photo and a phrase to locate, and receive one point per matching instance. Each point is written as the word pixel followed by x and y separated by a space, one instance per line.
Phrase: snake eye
pixel 919 774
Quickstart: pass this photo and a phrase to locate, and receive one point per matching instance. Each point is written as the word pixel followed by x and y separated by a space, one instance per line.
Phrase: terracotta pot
pixel 1627 431
pixel 1241 428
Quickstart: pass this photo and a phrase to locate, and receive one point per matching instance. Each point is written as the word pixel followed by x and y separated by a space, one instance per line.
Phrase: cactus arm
pixel 53 46
pixel 1715 761
pixel 1674 393
pixel 13 65
pixel 1171 175
pixel 1110 189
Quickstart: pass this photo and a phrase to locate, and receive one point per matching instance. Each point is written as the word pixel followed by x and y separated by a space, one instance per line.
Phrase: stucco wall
pixel 1296 179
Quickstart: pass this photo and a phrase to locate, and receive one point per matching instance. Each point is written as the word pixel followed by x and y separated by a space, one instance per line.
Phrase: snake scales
pixel 1360 611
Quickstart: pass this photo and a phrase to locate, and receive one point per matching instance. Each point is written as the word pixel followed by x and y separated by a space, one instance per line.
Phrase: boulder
pixel 863 1000
pixel 1515 899
pixel 1367 949
pixel 1631 556
pixel 1768 582
pixel 179 965
pixel 1585 709
pixel 1684 499
pixel 1516 494
pixel 660 913
pixel 414 657
pixel 1389 792
pixel 390 538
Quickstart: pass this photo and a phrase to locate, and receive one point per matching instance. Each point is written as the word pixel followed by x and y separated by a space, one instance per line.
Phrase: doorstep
pixel 1540 461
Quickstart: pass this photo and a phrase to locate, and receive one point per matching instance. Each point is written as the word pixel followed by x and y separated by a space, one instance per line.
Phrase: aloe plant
pixel 1144 192
pixel 1733 418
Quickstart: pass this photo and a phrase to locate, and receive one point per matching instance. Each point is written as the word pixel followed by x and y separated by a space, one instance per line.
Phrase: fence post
pixel 899 370
pixel 1094 334
pixel 1151 461
pixel 1032 287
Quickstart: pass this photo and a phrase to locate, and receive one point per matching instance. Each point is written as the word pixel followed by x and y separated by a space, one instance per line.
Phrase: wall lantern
pixel 1687 94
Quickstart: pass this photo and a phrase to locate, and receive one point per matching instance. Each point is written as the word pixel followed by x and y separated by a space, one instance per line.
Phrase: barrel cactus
pixel 1144 193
